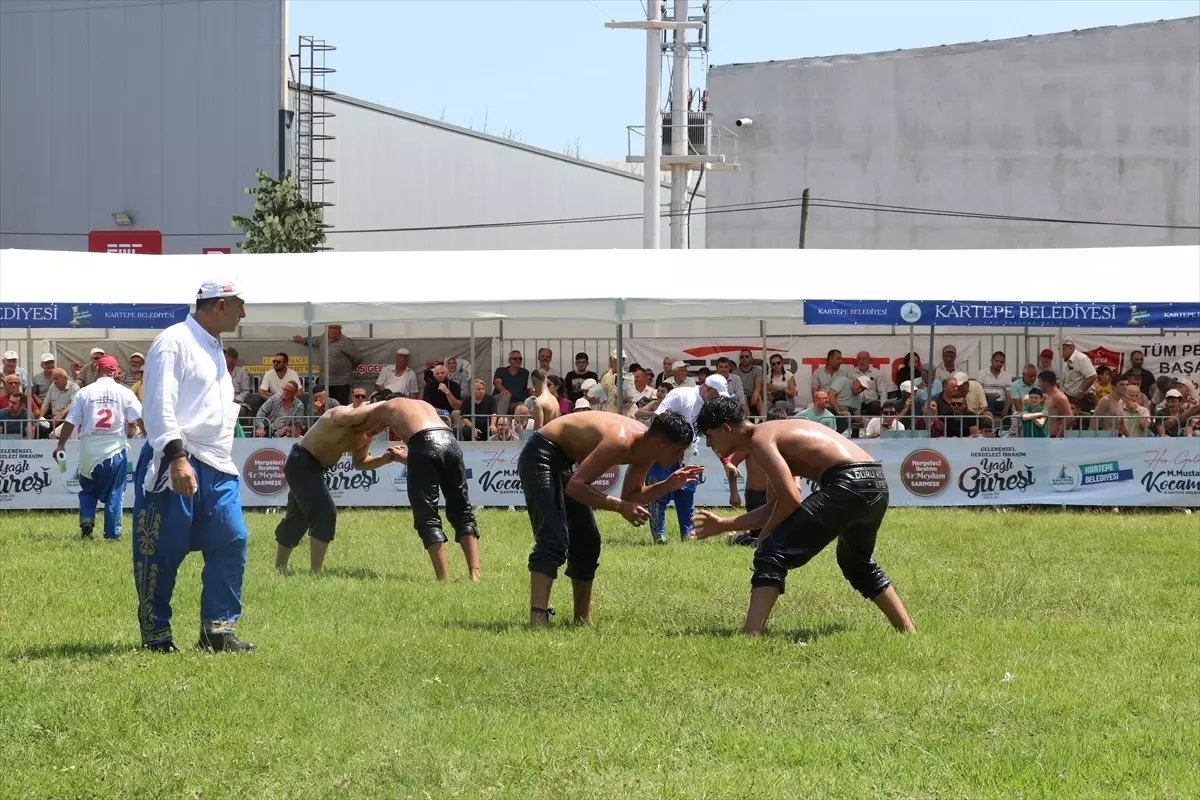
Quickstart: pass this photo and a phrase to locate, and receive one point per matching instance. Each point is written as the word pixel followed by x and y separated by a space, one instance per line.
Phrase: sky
pixel 550 74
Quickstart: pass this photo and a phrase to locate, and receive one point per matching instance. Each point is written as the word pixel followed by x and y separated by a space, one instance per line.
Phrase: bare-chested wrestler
pixel 310 507
pixel 435 461
pixel 848 506
pixel 560 497
pixel 756 489
pixel 1058 408
pixel 545 398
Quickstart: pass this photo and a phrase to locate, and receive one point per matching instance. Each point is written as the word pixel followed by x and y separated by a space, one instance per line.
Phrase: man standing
pixel 849 507
pixel 106 413
pixel 1143 377
pixel 736 390
pixel 398 378
pixel 1078 372
pixel 344 359
pixel 544 356
pixel 1058 408
pixel 751 376
pixel 186 493
pixel 577 376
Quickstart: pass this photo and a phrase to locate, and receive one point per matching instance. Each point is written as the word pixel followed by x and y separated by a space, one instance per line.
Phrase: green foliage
pixel 283 221
pixel 1055 658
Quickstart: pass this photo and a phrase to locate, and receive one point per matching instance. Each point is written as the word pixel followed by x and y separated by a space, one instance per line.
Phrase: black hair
pixel 671 426
pixel 284 356
pixel 703 372
pixel 1048 376
pixel 554 381
pixel 829 355
pixel 719 411
pixel 1037 391
pixel 776 413
pixel 207 303
pixel 1103 370
pixel 635 367
pixel 320 387
pixel 889 408
pixel 724 360
pixel 985 423
pixel 581 356
pixel 1001 354
pixel 538 375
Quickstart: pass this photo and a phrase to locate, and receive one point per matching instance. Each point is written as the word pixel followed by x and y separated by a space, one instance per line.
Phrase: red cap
pixel 1047 353
pixel 106 363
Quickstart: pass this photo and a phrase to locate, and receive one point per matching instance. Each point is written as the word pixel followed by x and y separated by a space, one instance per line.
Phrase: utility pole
pixel 680 131
pixel 803 218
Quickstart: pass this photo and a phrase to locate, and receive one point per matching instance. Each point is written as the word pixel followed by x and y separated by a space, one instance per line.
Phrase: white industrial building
pixel 142 122
pixel 1100 125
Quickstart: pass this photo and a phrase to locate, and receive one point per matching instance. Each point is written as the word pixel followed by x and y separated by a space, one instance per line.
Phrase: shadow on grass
pixel 807 635
pixel 357 573
pixel 72 650
pixel 493 626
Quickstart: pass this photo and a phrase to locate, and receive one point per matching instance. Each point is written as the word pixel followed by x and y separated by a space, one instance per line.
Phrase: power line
pixel 731 208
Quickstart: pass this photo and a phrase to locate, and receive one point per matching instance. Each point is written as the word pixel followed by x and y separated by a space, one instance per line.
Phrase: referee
pixel 186 493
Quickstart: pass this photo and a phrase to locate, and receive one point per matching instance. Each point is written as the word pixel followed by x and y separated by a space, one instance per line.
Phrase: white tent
pixel 609 286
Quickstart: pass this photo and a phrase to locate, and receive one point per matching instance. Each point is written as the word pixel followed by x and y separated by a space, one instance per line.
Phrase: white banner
pixel 921 472
pixel 803 355
pixel 1174 356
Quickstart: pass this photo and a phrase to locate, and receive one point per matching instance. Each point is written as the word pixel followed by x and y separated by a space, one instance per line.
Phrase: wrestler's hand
pixel 732 471
pixel 683 476
pixel 183 478
pixel 399 453
pixel 633 513
pixel 735 499
pixel 708 524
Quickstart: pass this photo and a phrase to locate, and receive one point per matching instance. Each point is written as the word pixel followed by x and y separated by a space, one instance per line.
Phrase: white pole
pixel 680 130
pixel 650 196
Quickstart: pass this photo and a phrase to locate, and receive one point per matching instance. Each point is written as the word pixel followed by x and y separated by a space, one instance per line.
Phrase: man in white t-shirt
pixel 641 396
pixel 105 412
pixel 275 379
pixel 398 378
pixel 996 383
pixel 1079 375
pixel 888 422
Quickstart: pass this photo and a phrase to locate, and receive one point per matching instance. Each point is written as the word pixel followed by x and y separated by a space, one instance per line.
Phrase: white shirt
pixel 636 398
pixel 878 385
pixel 405 384
pixel 188 395
pixel 994 386
pixel 875 427
pixel 1076 369
pixel 271 383
pixel 687 401
pixel 100 413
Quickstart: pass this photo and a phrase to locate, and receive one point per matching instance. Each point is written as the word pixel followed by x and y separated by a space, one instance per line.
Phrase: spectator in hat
pixel 398 378
pixel 948 367
pixel 90 374
pixel 1170 418
pixel 1045 360
pixel 11 368
pixel 58 400
pixel 42 381
pixel 321 402
pixel 344 359
pixel 1030 421
pixel 664 376
pixel 1079 375
pixel 972 392
pixel 677 377
pixel 137 363
pixel 608 382
pixel 274 379
pixel 582 404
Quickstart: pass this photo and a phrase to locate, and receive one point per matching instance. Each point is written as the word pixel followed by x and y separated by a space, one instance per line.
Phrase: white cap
pixel 906 386
pixel 142 356
pixel 589 383
pixel 1070 342
pixel 624 355
pixel 10 354
pixel 582 403
pixel 863 381
pixel 718 383
pixel 47 357
pixel 218 287
pixel 97 351
pixel 678 365
pixel 960 377
pixel 1174 393
pixel 403 351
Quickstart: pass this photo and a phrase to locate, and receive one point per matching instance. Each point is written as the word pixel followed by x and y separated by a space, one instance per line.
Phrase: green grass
pixel 374 682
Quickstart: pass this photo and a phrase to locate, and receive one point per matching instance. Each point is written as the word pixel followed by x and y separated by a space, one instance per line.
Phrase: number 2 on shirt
pixel 104 418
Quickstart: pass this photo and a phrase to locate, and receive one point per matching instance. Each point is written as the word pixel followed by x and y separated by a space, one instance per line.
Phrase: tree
pixel 283 221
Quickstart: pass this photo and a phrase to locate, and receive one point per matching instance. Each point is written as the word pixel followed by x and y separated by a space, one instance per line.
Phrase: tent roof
pixel 601 285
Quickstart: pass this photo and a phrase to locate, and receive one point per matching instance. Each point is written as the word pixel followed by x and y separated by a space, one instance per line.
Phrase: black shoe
pixel 223 643
pixel 161 647
pixel 85 530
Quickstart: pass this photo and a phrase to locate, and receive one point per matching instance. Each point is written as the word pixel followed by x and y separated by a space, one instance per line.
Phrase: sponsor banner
pixel 125 241
pixel 802 355
pixel 921 472
pixel 1174 356
pixel 1001 314
pixel 89 315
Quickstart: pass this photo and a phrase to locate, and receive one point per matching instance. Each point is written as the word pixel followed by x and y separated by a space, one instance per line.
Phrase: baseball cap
pixel 47 357
pixel 961 377
pixel 142 356
pixel 1174 393
pixel 718 383
pixel 403 351
pixel 218 287
pixel 678 365
pixel 582 403
pixel 97 351
pixel 589 383
pixel 863 381
pixel 1047 352
pixel 1069 341
pixel 10 354
pixel 950 348
pixel 106 362
pixel 232 352
pixel 624 355
pixel 906 386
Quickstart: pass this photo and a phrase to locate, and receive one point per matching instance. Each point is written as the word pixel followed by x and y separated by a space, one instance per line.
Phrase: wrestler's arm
pixel 783 497
pixel 364 460
pixel 635 490
pixel 350 417
pixel 579 487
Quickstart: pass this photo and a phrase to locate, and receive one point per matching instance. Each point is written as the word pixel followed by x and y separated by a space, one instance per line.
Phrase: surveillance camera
pixel 744 122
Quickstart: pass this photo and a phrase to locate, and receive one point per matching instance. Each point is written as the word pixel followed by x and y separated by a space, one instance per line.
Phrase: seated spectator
pixel 11 368
pixel 575 379
pixel 910 369
pixel 1168 416
pixel 1030 422
pixel 522 422
pixel 12 389
pixel 1107 413
pixel 949 364
pixel 321 403
pixel 996 383
pixel 42 381
pixel 137 362
pixel 15 419
pixel 58 401
pixel 668 366
pixel 1021 388
pixel 1135 421
pixel 273 381
pixel 888 422
pixel 90 373
pixel 544 356
pixel 509 383
pixel 283 415
pixel 702 374
pixel 876 385
pixel 678 377
pixel 843 400
pixel 442 393
pixel 972 392
pixel 641 396
pixel 781 385
pixel 477 418
pixel 398 378
pixel 1104 383
pixel 819 411
pixel 985 428
pixel 751 376
pixel 460 374
pixel 1162 384
pixel 582 404
pixel 1045 360
pixel 358 397
pixel 924 391
pixel 958 423
pixel 506 431
pixel 908 408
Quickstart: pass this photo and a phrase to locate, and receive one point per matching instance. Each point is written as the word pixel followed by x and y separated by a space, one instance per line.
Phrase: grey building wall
pixel 1100 124
pixel 397 170
pixel 160 108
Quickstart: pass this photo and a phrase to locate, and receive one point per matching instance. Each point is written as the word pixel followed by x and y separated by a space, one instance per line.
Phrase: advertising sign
pixel 1001 314
pixel 124 241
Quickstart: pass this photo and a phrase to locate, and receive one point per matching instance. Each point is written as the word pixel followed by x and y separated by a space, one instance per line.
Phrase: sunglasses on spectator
pixel 360 397
pixel 516 358
pixel 957 405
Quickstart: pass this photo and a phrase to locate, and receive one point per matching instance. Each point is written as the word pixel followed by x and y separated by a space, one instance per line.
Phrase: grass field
pixel 1056 657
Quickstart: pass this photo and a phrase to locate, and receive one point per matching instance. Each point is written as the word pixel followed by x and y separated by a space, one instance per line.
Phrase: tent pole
pixel 932 371
pixel 619 378
pixel 912 348
pixel 766 370
pixel 325 364
pixel 29 370
pixel 471 366
pixel 309 367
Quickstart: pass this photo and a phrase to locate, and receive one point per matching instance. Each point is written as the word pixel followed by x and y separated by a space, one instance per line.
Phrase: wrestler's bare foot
pixel 470 548
pixel 539 599
pixel 889 603
pixel 762 600
pixel 581 592
pixel 437 555
pixel 475 575
pixel 282 556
